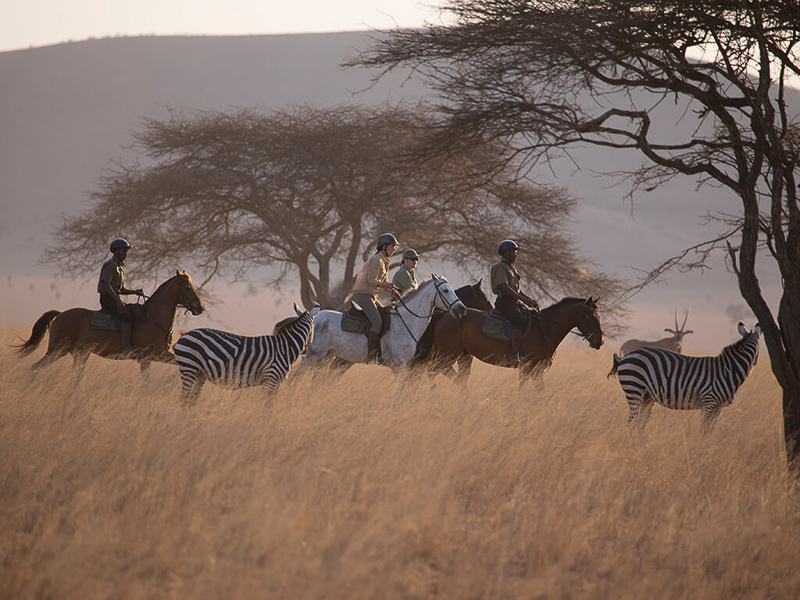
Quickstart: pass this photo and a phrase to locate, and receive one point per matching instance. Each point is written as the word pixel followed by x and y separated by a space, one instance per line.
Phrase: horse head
pixel 187 296
pixel 479 299
pixel 589 323
pixel 446 297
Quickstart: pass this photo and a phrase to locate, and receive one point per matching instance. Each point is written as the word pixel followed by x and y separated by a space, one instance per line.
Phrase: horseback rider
pixel 404 277
pixel 372 278
pixel 111 285
pixel 510 301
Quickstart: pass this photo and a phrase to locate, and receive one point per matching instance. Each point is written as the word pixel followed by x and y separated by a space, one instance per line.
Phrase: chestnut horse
pixel 151 336
pixel 462 339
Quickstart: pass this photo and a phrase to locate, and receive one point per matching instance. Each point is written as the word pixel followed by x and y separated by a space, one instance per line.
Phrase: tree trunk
pixel 791 427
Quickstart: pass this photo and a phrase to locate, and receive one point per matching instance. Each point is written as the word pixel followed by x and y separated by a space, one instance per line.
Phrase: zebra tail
pixel 614 368
pixel 40 329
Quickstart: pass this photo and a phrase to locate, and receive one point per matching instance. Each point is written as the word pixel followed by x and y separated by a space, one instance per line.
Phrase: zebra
pixel 680 382
pixel 236 361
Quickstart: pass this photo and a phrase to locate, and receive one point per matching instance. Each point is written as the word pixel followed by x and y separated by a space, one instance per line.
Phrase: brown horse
pixel 462 339
pixel 71 332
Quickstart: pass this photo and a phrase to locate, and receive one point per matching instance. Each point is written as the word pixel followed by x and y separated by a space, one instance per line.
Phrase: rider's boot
pixel 374 348
pixel 516 342
pixel 126 328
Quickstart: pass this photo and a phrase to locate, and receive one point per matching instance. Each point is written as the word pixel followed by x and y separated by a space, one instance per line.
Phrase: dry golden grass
pixel 357 488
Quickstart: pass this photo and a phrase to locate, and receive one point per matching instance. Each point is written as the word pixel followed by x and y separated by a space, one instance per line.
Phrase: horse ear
pixel 177 272
pixel 480 281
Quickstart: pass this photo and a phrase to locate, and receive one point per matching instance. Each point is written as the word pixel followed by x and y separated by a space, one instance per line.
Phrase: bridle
pixel 182 290
pixel 437 283
pixel 588 337
pixel 182 302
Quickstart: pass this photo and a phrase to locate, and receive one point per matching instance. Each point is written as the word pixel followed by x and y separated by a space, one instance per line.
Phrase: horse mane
pixel 411 293
pixel 166 281
pixel 564 302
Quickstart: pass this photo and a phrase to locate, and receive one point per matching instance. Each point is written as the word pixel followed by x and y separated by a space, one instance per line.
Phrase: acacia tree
pixel 309 190
pixel 543 76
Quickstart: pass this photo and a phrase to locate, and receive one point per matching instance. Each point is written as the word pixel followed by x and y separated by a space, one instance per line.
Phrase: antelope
pixel 674 342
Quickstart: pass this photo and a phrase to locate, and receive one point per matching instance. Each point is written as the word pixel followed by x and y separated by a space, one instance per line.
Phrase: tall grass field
pixel 361 486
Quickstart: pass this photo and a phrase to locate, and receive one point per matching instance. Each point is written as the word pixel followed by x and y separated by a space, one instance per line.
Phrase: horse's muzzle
pixel 595 341
pixel 196 307
pixel 458 309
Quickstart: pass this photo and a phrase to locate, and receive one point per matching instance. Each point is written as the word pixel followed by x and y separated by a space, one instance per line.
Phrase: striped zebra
pixel 680 382
pixel 236 361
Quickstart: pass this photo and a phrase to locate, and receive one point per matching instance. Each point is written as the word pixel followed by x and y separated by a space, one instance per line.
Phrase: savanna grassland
pixel 355 487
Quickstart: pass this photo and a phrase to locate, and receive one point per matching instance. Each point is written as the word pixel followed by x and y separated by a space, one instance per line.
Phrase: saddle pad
pixel 497 328
pixel 355 321
pixel 101 320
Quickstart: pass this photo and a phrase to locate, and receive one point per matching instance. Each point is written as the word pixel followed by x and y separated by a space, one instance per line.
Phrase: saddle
pixel 498 327
pixel 355 321
pixel 103 320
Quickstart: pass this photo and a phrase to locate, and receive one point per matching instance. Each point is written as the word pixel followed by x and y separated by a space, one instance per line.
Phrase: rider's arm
pixel 126 291
pixel 507 291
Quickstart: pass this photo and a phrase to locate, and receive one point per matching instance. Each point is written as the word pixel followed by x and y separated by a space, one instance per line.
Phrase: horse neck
pixel 420 304
pixel 559 322
pixel 162 305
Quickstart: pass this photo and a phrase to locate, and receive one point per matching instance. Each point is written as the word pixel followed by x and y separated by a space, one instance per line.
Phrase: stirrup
pixel 516 358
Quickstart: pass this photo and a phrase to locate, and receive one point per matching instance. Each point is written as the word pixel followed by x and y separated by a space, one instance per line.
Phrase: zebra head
pixel 307 318
pixel 749 342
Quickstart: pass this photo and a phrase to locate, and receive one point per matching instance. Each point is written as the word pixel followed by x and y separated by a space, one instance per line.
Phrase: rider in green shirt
pixel 111 285
pixel 510 300
pixel 404 277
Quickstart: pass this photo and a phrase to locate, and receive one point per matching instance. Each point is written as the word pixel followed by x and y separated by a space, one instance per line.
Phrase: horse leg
pixel 51 356
pixel 79 358
pixel 338 366
pixel 144 370
pixel 464 368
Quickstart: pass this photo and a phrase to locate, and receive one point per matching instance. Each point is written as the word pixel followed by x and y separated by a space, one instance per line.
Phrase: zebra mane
pixel 736 347
pixel 280 326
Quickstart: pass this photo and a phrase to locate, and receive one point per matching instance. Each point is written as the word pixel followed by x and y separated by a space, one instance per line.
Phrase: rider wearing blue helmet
pixel 510 300
pixel 111 285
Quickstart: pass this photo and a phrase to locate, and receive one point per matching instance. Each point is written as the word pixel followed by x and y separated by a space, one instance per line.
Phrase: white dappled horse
pixel 409 318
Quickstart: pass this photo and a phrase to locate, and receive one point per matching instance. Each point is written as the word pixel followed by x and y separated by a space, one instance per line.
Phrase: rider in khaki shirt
pixel 111 284
pixel 370 280
pixel 510 300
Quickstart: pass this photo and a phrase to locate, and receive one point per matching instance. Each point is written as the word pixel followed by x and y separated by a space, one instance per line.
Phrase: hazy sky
pixel 26 23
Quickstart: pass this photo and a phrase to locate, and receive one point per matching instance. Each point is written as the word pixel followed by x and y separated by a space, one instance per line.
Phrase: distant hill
pixel 67 111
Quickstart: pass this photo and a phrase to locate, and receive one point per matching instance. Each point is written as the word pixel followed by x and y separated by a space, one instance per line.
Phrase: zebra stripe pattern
pixel 236 361
pixel 708 383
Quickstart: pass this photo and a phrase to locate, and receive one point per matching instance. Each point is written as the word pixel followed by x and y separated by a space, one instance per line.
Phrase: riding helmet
pixel 506 245
pixel 411 253
pixel 120 243
pixel 386 238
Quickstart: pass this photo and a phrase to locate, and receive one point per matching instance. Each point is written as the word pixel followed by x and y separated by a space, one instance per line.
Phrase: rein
pixel 167 332
pixel 428 316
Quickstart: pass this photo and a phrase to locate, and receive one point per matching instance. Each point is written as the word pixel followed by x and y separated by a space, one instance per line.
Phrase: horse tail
pixel 614 367
pixel 40 329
